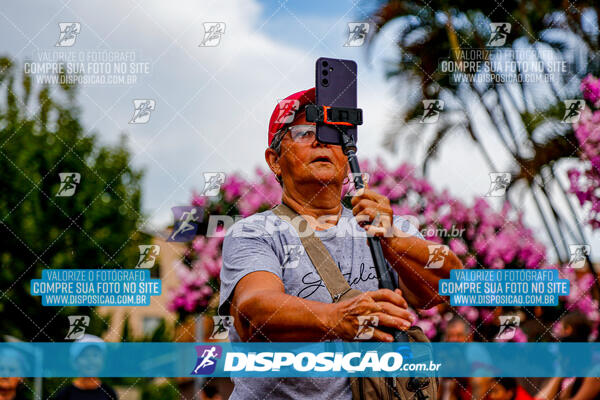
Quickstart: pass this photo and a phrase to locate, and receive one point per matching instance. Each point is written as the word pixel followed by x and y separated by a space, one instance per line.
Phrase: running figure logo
pixel 287 111
pixel 148 255
pixel 221 325
pixel 68 33
pixel 405 351
pixel 352 186
pixel 77 325
pixel 431 111
pixel 68 183
pixel 357 33
pixel 579 254
pixel 212 34
pixel 212 183
pixel 572 111
pixel 499 182
pixel 499 34
pixel 292 253
pixel 437 255
pixel 508 326
pixel 142 108
pixel 207 359
pixel 185 225
pixel 366 326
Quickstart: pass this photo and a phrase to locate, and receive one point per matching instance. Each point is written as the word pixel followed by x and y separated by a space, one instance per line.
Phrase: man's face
pixel 312 161
pixel 499 392
pixel 457 333
pixel 90 361
pixel 565 330
pixel 8 386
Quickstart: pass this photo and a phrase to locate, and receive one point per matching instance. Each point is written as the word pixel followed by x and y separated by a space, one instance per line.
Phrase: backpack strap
pixel 328 270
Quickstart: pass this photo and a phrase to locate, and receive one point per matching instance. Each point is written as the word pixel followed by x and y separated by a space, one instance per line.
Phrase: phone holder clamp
pixel 339 116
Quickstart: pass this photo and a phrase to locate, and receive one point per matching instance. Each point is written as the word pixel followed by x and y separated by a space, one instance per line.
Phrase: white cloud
pixel 213 104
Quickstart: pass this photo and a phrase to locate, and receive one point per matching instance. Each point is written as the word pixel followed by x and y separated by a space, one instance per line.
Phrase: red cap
pixel 284 112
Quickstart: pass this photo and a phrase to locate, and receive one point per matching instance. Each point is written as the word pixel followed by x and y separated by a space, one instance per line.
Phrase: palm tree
pixel 525 118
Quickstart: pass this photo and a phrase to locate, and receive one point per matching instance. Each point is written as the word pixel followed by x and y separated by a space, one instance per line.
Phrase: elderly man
pixel 273 301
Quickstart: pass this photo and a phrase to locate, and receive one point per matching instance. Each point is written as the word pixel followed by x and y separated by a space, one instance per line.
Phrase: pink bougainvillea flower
pixel 480 235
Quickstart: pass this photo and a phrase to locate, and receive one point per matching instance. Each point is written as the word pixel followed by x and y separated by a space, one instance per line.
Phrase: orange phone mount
pixel 340 116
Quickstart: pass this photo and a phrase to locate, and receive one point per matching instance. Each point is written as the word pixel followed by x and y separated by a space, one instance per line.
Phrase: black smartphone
pixel 335 87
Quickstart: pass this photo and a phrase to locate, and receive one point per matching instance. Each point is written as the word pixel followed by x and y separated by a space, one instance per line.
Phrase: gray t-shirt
pixel 264 242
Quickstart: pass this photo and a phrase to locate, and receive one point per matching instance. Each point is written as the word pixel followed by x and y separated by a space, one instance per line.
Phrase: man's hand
pixel 373 212
pixel 406 253
pixel 389 306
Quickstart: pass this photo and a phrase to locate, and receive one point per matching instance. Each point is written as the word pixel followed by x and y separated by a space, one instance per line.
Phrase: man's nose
pixel 316 143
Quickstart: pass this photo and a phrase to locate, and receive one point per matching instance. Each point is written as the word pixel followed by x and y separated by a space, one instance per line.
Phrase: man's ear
pixel 568 330
pixel 272 158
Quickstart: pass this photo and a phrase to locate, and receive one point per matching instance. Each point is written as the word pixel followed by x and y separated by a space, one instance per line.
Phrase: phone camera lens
pixel 325 63
pixel 325 82
pixel 325 72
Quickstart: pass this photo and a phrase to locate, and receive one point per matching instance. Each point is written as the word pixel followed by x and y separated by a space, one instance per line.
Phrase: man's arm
pixel 262 311
pixel 590 389
pixel 407 254
pixel 550 389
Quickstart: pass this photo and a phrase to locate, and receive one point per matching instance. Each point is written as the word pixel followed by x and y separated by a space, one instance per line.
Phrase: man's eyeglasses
pixel 299 134
pixel 303 133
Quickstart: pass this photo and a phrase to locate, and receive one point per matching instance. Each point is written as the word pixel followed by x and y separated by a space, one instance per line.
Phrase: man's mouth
pixel 321 159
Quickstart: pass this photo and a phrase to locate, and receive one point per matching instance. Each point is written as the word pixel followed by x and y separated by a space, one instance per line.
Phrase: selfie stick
pixel 342 118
